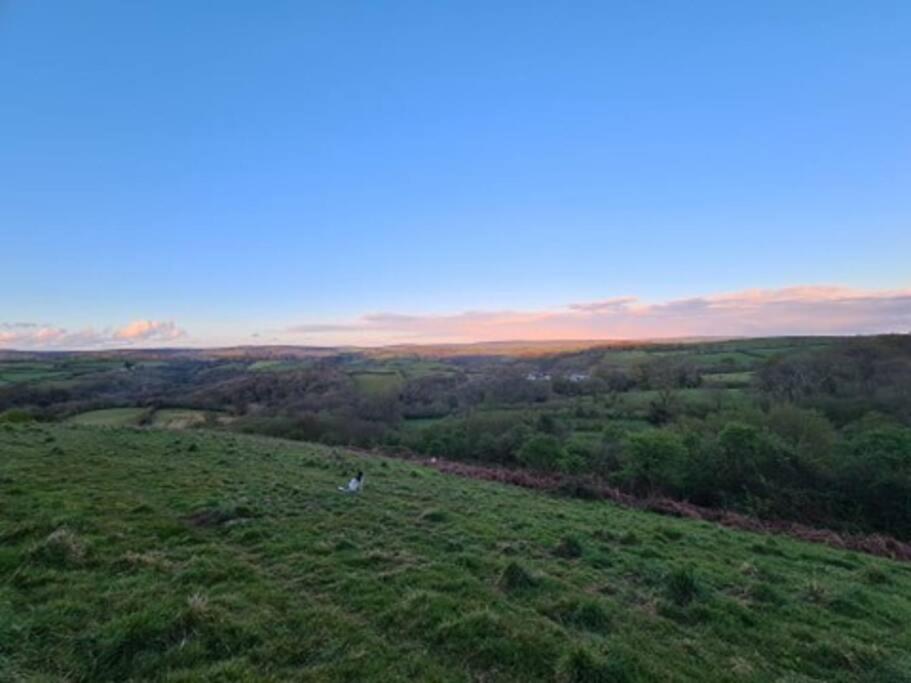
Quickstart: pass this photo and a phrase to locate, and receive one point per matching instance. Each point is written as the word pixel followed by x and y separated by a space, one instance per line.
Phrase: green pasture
pixel 149 555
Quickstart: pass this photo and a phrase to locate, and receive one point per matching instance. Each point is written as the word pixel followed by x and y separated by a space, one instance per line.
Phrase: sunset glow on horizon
pixel 820 310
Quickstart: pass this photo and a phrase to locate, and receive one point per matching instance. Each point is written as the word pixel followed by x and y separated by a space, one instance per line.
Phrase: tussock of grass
pixel 344 544
pixel 671 533
pixel 762 591
pixel 422 611
pixel 219 515
pixel 605 535
pixel 681 586
pixel 581 665
pixel 197 607
pixel 433 515
pixel 853 604
pixel 489 642
pixel 629 538
pixel 815 591
pixel 61 549
pixel 586 614
pixel 767 547
pixel 147 560
pixel 875 575
pixel 515 578
pixel 569 548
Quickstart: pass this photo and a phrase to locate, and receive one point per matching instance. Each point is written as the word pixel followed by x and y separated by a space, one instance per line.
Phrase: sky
pixel 181 173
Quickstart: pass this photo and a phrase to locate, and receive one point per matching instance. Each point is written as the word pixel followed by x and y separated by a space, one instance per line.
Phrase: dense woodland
pixel 812 430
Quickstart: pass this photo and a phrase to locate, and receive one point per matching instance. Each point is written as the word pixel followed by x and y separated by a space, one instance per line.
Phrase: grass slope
pixel 131 554
pixel 110 417
pixel 177 418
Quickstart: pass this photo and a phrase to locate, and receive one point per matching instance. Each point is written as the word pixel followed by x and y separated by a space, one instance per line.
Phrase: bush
pixel 808 431
pixel 544 452
pixel 652 462
pixel 741 465
pixel 874 473
pixel 15 416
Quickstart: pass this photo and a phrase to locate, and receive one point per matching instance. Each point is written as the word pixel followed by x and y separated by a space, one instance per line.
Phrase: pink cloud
pixel 806 310
pixel 35 336
pixel 616 303
pixel 146 330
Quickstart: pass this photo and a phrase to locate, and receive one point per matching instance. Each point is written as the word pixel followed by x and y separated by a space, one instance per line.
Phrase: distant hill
pixel 278 352
pixel 520 348
pixel 517 348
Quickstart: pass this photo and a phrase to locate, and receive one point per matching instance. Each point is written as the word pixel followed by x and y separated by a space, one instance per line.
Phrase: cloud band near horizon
pixel 805 310
pixel 34 336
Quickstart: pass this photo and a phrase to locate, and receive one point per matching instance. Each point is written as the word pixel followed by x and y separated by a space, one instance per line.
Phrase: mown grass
pixel 177 418
pixel 130 554
pixel 728 379
pixel 377 382
pixel 110 417
pixel 277 365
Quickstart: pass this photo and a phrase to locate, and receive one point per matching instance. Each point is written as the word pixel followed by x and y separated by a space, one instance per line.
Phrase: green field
pixel 169 418
pixel 728 379
pixel 111 417
pixel 377 382
pixel 177 418
pixel 421 422
pixel 34 372
pixel 276 365
pixel 187 556
pixel 18 372
pixel 417 367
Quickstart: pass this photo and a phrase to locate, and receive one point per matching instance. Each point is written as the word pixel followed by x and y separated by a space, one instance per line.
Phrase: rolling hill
pixel 144 554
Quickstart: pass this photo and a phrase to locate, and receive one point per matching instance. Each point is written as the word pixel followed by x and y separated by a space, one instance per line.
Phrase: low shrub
pixel 15 416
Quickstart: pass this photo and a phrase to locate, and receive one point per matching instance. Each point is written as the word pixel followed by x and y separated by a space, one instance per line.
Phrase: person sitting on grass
pixel 355 485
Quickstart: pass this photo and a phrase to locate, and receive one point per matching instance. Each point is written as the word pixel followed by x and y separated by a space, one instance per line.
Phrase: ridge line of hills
pixel 526 348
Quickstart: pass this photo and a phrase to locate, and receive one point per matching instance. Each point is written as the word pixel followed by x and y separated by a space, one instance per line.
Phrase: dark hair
pixel 360 475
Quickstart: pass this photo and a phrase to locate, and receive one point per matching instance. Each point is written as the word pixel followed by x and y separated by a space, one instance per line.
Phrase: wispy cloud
pixel 28 335
pixel 792 310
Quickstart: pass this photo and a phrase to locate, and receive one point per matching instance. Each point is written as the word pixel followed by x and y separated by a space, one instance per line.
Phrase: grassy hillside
pixel 110 417
pixel 147 554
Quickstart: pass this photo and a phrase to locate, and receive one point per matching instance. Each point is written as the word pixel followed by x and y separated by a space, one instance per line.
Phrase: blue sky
pixel 241 168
